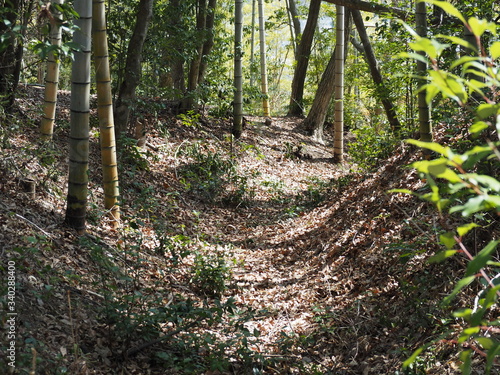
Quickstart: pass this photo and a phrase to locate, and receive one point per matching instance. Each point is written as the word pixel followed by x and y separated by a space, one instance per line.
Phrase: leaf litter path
pixel 326 272
pixel 323 274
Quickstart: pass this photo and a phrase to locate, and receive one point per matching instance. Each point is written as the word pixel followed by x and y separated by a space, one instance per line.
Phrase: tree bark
pixel 296 107
pixel 238 76
pixel 105 111
pixel 209 41
pixel 316 118
pixel 424 113
pixel 176 59
pixel 132 73
pixel 52 76
pixel 292 6
pixel 338 144
pixel 79 127
pixel 263 63
pixel 381 90
pixel 18 13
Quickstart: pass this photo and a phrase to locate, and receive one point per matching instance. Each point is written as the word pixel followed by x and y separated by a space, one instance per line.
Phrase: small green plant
pixel 210 272
pixel 371 146
pixel 214 177
pixel 190 119
pixel 465 192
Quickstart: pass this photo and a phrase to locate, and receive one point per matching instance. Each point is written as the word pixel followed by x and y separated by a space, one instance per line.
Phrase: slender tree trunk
pixel 79 128
pixel 314 121
pixel 294 15
pixel 18 13
pixel 105 111
pixel 209 41
pixel 316 118
pixel 424 112
pixel 263 64
pixel 132 73
pixel 188 103
pixel 296 107
pixel 52 76
pixel 177 61
pixel 381 90
pixel 238 75
pixel 252 47
pixel 338 144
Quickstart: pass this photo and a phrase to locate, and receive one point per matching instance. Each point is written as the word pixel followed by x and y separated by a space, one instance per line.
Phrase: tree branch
pixel 370 7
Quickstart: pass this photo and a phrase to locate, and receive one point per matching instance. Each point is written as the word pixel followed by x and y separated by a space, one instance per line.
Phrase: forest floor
pixel 254 256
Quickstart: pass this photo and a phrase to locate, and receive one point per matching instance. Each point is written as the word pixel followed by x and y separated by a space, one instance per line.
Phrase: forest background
pixel 172 274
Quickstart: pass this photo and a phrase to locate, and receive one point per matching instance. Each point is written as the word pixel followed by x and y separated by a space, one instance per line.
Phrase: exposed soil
pixel 331 264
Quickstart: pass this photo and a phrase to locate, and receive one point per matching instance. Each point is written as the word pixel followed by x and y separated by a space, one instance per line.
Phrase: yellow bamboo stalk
pixel 105 110
pixel 51 76
pixel 263 63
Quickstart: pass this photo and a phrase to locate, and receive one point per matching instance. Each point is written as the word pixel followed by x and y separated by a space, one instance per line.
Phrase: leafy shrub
pixel 466 191
pixel 371 146
pixel 210 273
pixel 213 177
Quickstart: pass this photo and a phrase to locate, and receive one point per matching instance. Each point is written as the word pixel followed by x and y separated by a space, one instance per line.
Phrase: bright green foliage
pixel 456 180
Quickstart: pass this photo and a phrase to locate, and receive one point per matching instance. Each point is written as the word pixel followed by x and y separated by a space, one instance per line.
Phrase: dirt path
pixel 317 247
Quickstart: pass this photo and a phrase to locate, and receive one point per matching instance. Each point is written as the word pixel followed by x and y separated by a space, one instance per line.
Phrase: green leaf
pixel 486 342
pixel 413 357
pixel 430 92
pixel 473 205
pixel 495 50
pixel 478 127
pixel 404 191
pixel 442 255
pixel 479 26
pixel 448 8
pixel 465 357
pixel 448 240
pixel 485 110
pixel 458 287
pixel 414 56
pixel 461 42
pixel 463 60
pixel 433 146
pixel 464 229
pixel 488 182
pixel 481 259
pixel 463 313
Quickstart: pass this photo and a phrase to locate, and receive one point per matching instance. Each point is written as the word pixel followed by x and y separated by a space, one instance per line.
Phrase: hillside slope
pixel 257 256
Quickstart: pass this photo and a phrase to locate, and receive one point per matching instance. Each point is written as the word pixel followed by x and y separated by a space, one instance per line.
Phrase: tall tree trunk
pixel 208 43
pixel 263 64
pixel 252 46
pixel 18 13
pixel 132 73
pixel 176 60
pixel 52 75
pixel 188 103
pixel 79 128
pixel 316 118
pixel 338 144
pixel 296 107
pixel 381 90
pixel 238 75
pixel 294 15
pixel 105 111
pixel 424 112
